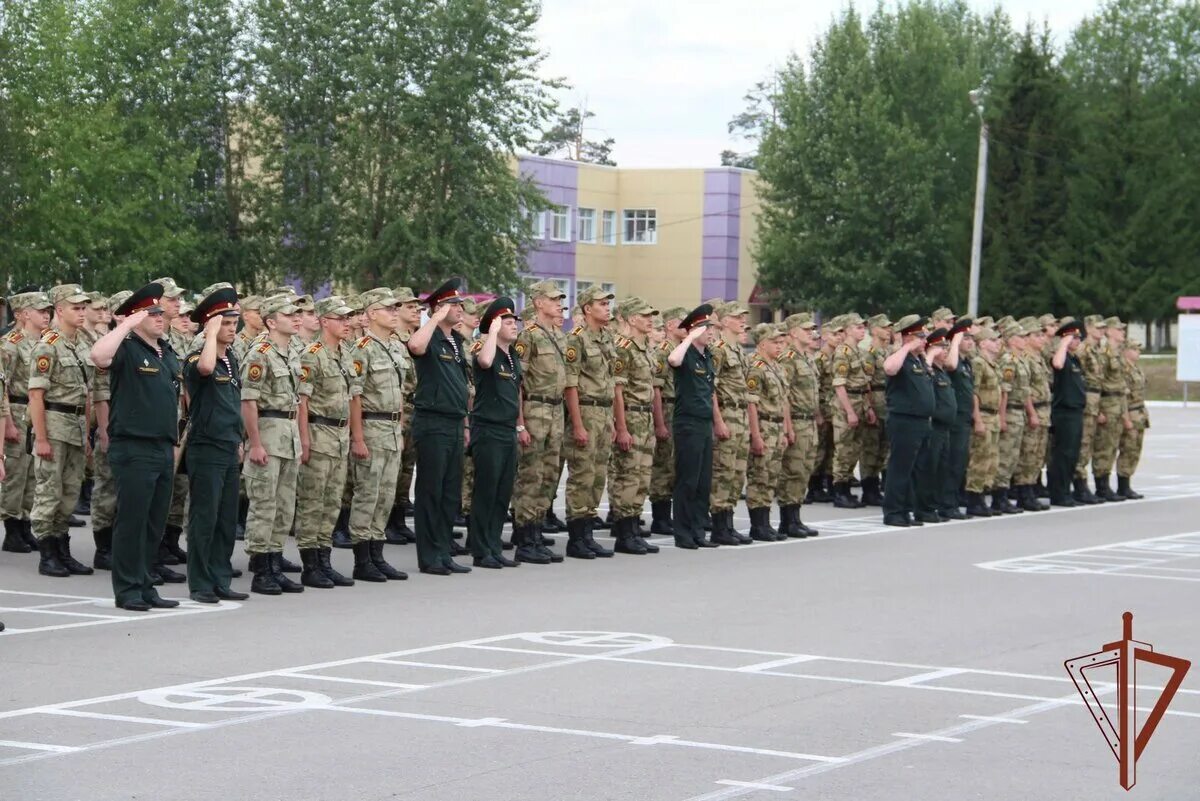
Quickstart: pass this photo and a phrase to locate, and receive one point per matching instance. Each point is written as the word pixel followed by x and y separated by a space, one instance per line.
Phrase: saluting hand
pixel 212 326
pixel 497 323
pixel 135 319
pixel 440 312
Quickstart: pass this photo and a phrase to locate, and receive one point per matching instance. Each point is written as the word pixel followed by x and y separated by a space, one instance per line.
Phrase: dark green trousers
pixel 494 453
pixel 932 465
pixel 213 473
pixel 907 437
pixel 143 471
pixel 439 441
pixel 1067 427
pixel 958 452
pixel 693 476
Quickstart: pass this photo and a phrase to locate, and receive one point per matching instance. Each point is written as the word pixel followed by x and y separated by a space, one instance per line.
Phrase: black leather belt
pixel 66 408
pixel 880 388
pixel 1137 408
pixel 733 405
pixel 802 415
pixel 771 418
pixel 277 414
pixel 391 417
pixel 321 420
pixel 1040 404
pixel 1015 406
pixel 603 404
pixel 638 407
pixel 1112 394
pixel 19 399
pixel 1090 389
pixel 546 399
pixel 987 410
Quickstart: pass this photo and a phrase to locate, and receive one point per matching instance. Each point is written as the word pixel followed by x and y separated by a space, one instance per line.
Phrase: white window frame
pixel 608 228
pixel 648 218
pixel 587 236
pixel 537 224
pixel 560 223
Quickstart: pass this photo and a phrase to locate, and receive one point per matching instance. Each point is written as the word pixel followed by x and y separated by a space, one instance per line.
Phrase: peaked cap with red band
pixel 221 302
pixel 146 298
pixel 449 292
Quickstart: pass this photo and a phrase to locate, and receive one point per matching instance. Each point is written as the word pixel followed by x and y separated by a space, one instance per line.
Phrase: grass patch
pixel 1160 380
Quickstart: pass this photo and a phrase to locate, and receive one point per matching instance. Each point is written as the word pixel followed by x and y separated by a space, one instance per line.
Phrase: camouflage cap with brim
pixel 636 305
pixel 279 304
pixel 1114 322
pixel 252 303
pixel 545 289
pixel 304 302
pixel 1029 323
pixel 404 294
pixel 734 308
pixel 1093 321
pixel 1133 344
pixel 942 314
pixel 31 300
pixel 170 288
pixel 800 320
pixel 68 293
pixel 764 331
pixel 591 295
pixel 852 318
pixel 115 301
pixel 334 306
pixel 286 289
pixel 835 323
pixel 879 321
pixel 1047 320
pixel 984 322
pixel 471 306
pixel 675 313
pixel 984 334
pixel 98 301
pixel 211 288
pixel 379 296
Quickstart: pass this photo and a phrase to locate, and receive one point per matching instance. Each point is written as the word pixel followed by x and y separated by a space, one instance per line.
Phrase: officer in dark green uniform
pixel 1068 400
pixel 910 405
pixel 962 378
pixel 931 465
pixel 692 428
pixel 143 428
pixel 214 437
pixel 494 431
pixel 440 409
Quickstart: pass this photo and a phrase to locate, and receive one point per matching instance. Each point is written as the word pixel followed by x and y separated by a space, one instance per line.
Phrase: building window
pixel 587 226
pixel 560 223
pixel 537 224
pixel 608 228
pixel 641 226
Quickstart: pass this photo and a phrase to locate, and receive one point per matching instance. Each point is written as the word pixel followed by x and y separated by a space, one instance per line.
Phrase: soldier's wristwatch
pixel 520 429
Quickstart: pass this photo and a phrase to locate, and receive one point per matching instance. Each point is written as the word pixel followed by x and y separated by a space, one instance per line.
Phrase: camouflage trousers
pixel 629 481
pixel 875 444
pixel 56 490
pixel 1009 447
pixel 662 473
pixel 587 466
pixel 1107 437
pixel 985 454
pixel 177 516
pixel 374 492
pixel 538 465
pixel 847 441
pixel 762 472
pixel 104 492
pixel 1089 433
pixel 730 462
pixel 799 461
pixel 319 499
pixel 468 484
pixel 1033 450
pixel 408 458
pixel 271 489
pixel 16 493
pixel 823 461
pixel 1131 443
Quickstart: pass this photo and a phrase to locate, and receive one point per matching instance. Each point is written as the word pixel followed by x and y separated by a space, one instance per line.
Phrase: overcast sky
pixel 665 76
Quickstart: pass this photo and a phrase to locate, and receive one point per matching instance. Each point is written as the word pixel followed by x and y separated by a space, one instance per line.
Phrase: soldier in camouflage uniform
pixel 769 421
pixel 731 449
pixel 820 486
pixel 800 374
pixel 1015 408
pixel 104 491
pixel 852 412
pixel 1091 360
pixel 662 472
pixel 252 324
pixel 634 397
pixel 32 311
pixel 380 362
pixel 875 437
pixel 59 377
pixel 1037 426
pixel 397 529
pixel 169 552
pixel 985 438
pixel 327 384
pixel 1132 438
pixel 1114 418
pixel 541 347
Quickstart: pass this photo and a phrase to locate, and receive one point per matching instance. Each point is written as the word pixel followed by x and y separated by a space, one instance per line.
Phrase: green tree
pixel 567 137
pixel 751 125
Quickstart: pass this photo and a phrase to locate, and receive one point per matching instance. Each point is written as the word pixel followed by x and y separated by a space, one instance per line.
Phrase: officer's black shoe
pixel 1105 492
pixel 708 521
pixel 1066 501
pixel 156 601
pixel 760 524
pixel 928 517
pixel 577 547
pixel 976 507
pixel 229 595
pixel 375 550
pixel 660 518
pixel 103 539
pixel 13 541
pixel 49 564
pixel 326 566
pixel 951 513
pixel 455 567
pixel 364 568
pixel 83 504
pixel 202 597
pixel 313 575
pixel 239 530
pixel 899 519
pixel 75 522
pixel 593 546
pixel 458 550
pixel 1126 491
pixel 168 575
pixel 460 520
pixel 552 523
pixel 275 562
pixel 707 543
pixel 489 562
pixel 263 582
pixel 341 529
pixel 73 565
pixel 27 534
pixel 505 561
pixel 912 521
pixel 436 570
pixel 627 540
pixel 1083 495
pixel 170 542
pixel 686 543
pixel 871 495
pixel 134 605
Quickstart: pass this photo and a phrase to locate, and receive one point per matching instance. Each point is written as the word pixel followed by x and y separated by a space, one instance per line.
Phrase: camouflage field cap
pixel 68 293
pixel 404 294
pixel 1133 344
pixel 170 288
pixel 115 301
pixel 984 322
pixel 98 300
pixel 941 315
pixel 675 313
pixel 986 333
pixel 304 302
pixel 734 308
pixel 852 318
pixel 545 289
pixel 30 300
pixel 592 294
pixel 333 306
pixel 279 304
pixel 835 323
pixel 287 289
pixel 1047 320
pixel 379 296
pixel 636 305
pixel 764 331
pixel 879 321
pixel 801 320
pixel 1114 322
pixel 1093 321
pixel 252 303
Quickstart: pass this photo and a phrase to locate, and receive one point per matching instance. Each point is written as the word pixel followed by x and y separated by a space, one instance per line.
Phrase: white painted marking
pixel 936 738
pixel 58 612
pixel 475 724
pixel 778 788
pixel 775 663
pixel 54 749
pixel 292 674
pixel 78 713
pixel 994 719
pixel 1131 558
pixel 921 678
pixel 463 668
pixel 657 739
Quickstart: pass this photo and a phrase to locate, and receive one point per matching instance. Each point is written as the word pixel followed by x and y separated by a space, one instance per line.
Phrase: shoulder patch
pixel 255 372
pixel 15 337
pixel 314 347
pixel 533 327
pixel 520 349
pixel 306 374
pixel 478 346
pixel 265 347
pixel 43 364
pixel 358 367
pixel 751 383
pixel 362 343
pixel 843 370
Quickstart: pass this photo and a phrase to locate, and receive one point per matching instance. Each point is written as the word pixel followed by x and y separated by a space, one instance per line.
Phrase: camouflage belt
pixel 987 410
pixel 802 415
pixel 771 418
pixel 1112 394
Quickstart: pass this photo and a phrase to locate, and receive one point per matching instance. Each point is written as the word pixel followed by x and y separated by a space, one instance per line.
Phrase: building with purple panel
pixel 675 237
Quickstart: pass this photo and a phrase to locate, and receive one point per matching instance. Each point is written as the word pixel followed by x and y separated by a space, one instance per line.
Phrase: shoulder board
pixel 533 327
pixel 265 347
pixel 845 350
pixel 720 343
pixel 15 337
pixel 50 337
pixel 478 346
pixel 244 336
pixel 362 343
pixel 760 363
pixel 314 347
pixel 577 330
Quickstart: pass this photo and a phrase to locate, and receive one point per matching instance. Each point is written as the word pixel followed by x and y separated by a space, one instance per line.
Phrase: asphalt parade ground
pixel 866 664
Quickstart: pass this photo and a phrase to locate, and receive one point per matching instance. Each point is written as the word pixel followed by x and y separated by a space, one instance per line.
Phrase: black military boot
pixel 650 547
pixel 1126 491
pixel 760 524
pixel 525 546
pixel 1040 489
pixel 1006 505
pixel 814 482
pixel 625 531
pixel 552 523
pixel 364 568
pixel 49 565
pixel 323 561
pixel 27 534
pixel 842 498
pixel 1026 498
pixel 732 529
pixel 976 507
pixel 543 543
pixel 375 550
pixel 263 582
pixel 805 530
pixel 13 541
pixel 397 532
pixel 103 539
pixel 590 541
pixel 286 565
pixel 239 530
pixel 721 531
pixel 786 528
pixel 826 493
pixel 1082 494
pixel 83 504
pixel 660 514
pixel 1104 490
pixel 313 575
pixel 871 494
pixel 169 547
pixel 341 530
pixel 275 565
pixel 576 544
pixel 73 565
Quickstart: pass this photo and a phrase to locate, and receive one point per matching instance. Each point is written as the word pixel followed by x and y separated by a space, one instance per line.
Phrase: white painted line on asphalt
pixel 186 607
pixel 462 668
pixel 756 786
pixel 994 718
pixel 54 749
pixel 293 674
pixel 774 663
pixel 657 739
pixel 921 678
pixel 44 611
pixel 474 724
pixel 933 737
pixel 1130 558
pixel 78 713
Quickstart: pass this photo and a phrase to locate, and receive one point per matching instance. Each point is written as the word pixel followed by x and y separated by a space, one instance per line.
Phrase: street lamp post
pixel 976 96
